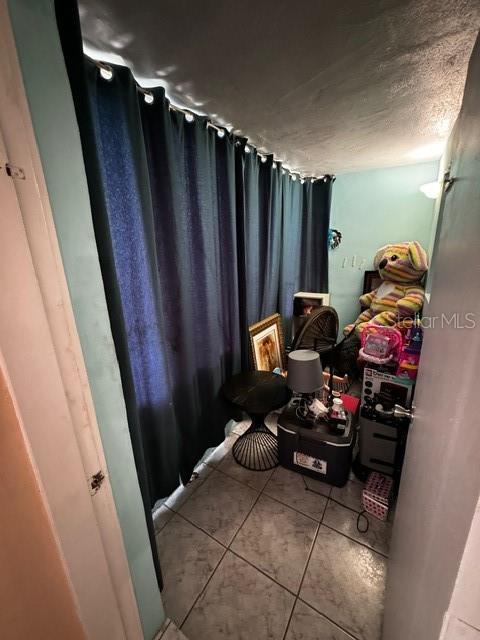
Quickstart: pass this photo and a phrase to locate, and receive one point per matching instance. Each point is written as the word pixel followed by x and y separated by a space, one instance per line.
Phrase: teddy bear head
pixel 401 262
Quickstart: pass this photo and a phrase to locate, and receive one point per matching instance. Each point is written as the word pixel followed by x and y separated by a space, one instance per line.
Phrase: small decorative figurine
pixel 334 238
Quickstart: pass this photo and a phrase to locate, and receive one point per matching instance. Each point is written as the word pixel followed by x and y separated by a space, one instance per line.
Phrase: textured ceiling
pixel 327 86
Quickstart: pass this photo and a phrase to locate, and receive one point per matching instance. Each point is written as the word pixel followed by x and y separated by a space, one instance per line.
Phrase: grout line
pixel 262 571
pixel 222 544
pixel 322 524
pixel 324 511
pixel 305 569
pixel 311 551
pixel 245 519
pixel 236 553
pixel 218 564
pixel 246 483
pixel 225 549
pixel 262 492
pixel 213 468
pixel 363 544
pixel 202 590
pixel 228 547
pixel 302 513
pixel 302 578
pixel 203 482
pixel 349 633
pixel 163 631
pixel 468 624
pixel 290 618
pixel 248 561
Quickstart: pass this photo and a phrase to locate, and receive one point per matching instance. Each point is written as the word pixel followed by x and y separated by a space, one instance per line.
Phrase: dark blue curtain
pixel 186 254
pixel 190 263
pixel 198 237
pixel 192 180
pixel 281 239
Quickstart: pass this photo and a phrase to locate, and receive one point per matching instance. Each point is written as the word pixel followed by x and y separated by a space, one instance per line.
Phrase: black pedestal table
pixel 257 393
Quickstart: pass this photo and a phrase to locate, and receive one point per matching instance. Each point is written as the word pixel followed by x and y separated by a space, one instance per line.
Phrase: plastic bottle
pixel 338 412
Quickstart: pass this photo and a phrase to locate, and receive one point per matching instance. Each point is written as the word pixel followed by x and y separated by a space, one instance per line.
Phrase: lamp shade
pixel 304 373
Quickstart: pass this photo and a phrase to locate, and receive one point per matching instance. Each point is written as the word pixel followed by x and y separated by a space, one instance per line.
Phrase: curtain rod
pixel 106 71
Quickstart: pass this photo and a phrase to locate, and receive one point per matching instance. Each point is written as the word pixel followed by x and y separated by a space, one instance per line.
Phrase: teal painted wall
pixel 371 209
pixel 54 121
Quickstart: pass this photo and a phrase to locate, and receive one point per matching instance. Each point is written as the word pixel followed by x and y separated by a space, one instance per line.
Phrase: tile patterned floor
pixel 171 632
pixel 251 554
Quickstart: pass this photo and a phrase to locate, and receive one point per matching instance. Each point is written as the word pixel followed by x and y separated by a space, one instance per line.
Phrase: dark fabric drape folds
pixel 313 274
pixel 282 229
pixel 198 237
pixel 127 244
pixel 103 179
pixel 192 178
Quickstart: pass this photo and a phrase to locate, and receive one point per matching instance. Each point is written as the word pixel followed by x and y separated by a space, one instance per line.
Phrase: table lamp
pixel 305 377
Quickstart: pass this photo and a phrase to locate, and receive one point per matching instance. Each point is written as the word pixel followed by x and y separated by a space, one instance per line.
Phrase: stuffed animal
pixel 401 267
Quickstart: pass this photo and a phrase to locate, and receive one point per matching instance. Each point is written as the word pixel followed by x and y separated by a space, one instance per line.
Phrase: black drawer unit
pixel 382 442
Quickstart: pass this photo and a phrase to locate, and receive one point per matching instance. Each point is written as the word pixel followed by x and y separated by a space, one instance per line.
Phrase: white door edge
pixel 38 316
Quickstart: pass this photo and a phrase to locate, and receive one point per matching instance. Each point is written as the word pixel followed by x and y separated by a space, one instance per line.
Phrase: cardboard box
pixel 377 385
pixel 376 496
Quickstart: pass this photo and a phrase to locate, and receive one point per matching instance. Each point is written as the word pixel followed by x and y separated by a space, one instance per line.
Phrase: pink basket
pixel 376 495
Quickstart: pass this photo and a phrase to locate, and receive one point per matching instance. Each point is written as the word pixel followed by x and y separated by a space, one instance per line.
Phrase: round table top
pixel 257 392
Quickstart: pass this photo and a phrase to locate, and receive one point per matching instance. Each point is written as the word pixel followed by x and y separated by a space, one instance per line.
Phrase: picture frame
pixel 305 303
pixel 267 343
pixel 303 299
pixel 371 280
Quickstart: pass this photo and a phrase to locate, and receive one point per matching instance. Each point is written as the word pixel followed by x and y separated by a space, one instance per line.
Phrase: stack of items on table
pixel 316 439
pixel 391 360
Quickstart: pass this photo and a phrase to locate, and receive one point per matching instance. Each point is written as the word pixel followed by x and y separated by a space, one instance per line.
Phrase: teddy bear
pixel 401 267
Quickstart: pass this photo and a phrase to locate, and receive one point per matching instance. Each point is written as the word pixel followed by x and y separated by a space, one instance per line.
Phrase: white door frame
pixel 43 356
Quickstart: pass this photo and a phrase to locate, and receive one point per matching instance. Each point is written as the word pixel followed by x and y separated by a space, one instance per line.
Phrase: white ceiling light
pixel 431 189
pixel 189 117
pixel 428 151
pixel 221 133
pixel 247 149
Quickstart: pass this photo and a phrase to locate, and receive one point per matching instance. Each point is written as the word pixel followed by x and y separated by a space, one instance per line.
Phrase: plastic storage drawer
pixel 315 451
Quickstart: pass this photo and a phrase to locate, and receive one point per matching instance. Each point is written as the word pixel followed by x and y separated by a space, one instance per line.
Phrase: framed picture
pixel 267 343
pixel 305 301
pixel 371 281
pixel 304 304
